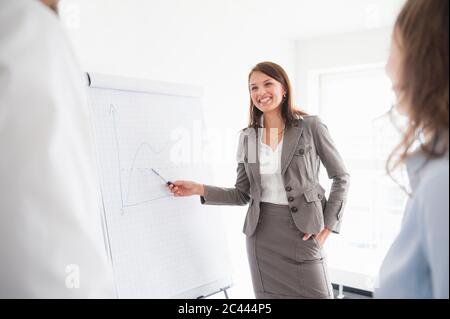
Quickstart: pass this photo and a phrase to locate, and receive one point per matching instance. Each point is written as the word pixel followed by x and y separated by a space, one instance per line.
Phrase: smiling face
pixel 267 94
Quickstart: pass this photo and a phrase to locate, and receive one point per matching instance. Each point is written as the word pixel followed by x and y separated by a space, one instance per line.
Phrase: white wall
pixel 355 49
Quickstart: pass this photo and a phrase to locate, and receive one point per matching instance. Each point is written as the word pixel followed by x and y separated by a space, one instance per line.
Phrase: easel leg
pixel 225 292
pixel 341 292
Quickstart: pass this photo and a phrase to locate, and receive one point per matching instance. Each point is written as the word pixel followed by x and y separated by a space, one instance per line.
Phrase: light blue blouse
pixel 417 264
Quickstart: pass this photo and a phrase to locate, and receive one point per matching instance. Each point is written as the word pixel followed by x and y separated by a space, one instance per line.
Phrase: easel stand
pixel 224 290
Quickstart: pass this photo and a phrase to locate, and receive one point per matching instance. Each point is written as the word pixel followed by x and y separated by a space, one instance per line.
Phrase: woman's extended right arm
pixel 211 195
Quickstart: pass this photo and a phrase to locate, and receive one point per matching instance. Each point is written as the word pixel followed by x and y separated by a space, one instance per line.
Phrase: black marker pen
pixel 168 183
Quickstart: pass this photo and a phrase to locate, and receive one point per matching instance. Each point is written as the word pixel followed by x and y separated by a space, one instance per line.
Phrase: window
pixel 353 103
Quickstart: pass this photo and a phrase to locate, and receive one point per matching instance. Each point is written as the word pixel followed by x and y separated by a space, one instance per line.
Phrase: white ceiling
pixel 291 18
pixel 310 18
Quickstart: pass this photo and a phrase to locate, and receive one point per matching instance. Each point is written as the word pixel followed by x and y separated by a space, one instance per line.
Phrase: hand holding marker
pixel 165 181
pixel 183 188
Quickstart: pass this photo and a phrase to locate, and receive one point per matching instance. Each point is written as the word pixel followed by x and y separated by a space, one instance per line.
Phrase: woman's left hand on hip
pixel 320 237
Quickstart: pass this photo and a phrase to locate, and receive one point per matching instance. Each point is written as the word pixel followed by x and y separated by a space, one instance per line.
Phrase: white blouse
pixel 270 169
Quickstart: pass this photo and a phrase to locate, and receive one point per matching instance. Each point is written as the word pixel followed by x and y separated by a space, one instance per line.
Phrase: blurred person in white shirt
pixel 51 242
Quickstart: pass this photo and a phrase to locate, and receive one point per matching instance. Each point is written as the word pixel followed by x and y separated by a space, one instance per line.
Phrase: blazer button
pixel 291 199
pixel 302 151
pixel 294 209
pixel 289 188
pixel 320 196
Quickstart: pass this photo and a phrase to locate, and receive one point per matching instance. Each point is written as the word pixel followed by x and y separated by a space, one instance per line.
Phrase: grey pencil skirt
pixel 282 264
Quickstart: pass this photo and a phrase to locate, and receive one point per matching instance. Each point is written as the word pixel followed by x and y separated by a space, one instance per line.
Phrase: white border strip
pixel 103 81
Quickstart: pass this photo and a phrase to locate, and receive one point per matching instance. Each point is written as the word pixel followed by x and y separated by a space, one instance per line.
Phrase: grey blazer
pixel 306 143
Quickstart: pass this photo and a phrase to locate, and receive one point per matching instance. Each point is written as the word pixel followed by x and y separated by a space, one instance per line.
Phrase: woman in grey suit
pixel 289 217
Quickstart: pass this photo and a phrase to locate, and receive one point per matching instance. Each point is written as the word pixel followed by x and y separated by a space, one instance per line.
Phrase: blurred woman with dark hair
pixel 417 264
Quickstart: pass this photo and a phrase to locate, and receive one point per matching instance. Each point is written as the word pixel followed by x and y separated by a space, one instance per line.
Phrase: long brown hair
pixel 421 32
pixel 288 110
pixel 52 4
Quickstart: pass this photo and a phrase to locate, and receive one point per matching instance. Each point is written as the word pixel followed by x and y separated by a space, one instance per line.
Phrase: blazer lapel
pixel 253 155
pixel 290 142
